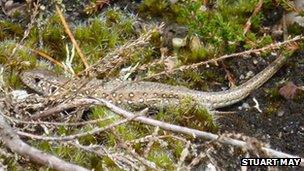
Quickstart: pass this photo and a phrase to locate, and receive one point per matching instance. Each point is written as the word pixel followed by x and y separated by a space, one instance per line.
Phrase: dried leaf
pixel 289 90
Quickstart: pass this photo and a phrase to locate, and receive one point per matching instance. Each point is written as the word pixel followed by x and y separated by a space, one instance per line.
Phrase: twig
pixel 183 156
pixel 119 159
pixel 174 128
pixel 13 142
pixel 61 107
pixel 95 6
pixel 149 138
pixel 57 123
pixel 72 137
pixel 114 59
pixel 149 164
pixel 29 27
pixel 255 12
pixel 196 160
pixel 48 57
pixel 269 47
pixel 150 144
pixel 69 33
pixel 193 132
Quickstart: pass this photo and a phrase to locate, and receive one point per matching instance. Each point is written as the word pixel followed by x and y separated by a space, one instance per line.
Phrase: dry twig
pixel 171 127
pixel 75 136
pixel 265 48
pixel 118 157
pixel 12 141
pixel 29 27
pixel 149 138
pixel 69 33
pixel 150 144
pixel 119 56
pixel 57 123
pixel 48 57
pixel 149 164
pixel 255 12
pixel 184 154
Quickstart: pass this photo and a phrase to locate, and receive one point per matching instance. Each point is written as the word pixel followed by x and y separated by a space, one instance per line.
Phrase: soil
pixel 283 129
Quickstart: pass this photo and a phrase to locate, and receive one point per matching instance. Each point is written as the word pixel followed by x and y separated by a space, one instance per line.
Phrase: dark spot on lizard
pixel 37 80
pixel 53 89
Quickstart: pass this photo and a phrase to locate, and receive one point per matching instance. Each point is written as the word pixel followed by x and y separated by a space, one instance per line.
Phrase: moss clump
pixel 188 114
pixel 220 29
pixel 295 30
pixel 100 37
pixel 10 30
pixel 53 37
pixel 64 152
pixel 272 109
pixel 154 7
pixel 14 65
pixel 161 158
pixel 273 93
pixel 215 31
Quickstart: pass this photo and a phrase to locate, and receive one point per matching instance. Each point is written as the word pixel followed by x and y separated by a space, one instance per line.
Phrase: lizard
pixel 147 93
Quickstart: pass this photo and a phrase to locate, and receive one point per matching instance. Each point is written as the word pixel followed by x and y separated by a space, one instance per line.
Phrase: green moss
pixel 126 131
pixel 199 54
pixel 295 29
pixel 77 157
pixel 98 112
pixel 143 55
pixel 6 48
pixel 109 163
pixel 96 163
pixel 221 28
pixel 10 30
pixel 176 146
pixel 113 16
pixel 272 109
pixel 220 31
pixel 188 114
pixel 27 56
pixel 14 81
pixel 256 22
pixel 94 34
pixel 273 93
pixel 62 130
pixel 161 158
pixel 154 7
pixel 274 98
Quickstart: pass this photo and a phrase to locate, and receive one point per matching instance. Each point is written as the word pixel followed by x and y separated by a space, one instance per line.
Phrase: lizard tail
pixel 228 97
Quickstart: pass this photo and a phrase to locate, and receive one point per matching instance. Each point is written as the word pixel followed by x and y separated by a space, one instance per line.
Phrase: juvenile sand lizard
pixel 148 93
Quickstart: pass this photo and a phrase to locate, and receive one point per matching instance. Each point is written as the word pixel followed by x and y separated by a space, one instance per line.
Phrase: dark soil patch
pixel 282 129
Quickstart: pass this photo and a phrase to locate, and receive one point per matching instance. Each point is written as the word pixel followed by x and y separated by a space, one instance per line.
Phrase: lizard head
pixel 43 82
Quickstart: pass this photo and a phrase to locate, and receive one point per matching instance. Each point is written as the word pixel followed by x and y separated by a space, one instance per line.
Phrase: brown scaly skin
pixel 146 93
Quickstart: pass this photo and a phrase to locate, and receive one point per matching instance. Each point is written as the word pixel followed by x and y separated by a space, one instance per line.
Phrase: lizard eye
pixel 37 80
